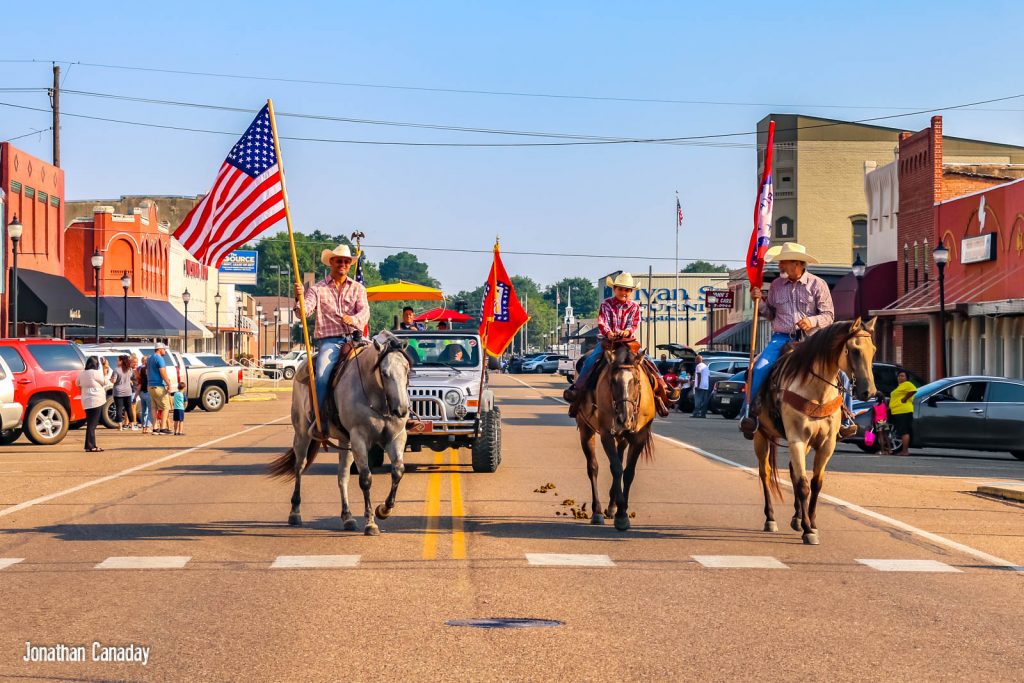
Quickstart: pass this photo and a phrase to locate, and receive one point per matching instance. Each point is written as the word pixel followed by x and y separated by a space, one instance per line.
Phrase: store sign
pixel 723 298
pixel 239 268
pixel 196 270
pixel 978 249
pixel 73 313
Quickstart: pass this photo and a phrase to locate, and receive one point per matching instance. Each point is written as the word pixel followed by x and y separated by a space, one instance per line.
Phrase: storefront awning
pixel 877 290
pixel 46 299
pixel 146 319
pixel 720 334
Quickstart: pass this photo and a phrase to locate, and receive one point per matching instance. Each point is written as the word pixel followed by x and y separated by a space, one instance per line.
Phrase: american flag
pixel 359 279
pixel 679 213
pixel 246 199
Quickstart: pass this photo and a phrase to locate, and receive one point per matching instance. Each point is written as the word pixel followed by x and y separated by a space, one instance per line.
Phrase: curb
pixel 1008 491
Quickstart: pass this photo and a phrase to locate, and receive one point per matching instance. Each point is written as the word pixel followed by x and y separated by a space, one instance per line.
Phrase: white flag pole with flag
pixel 675 298
pixel 247 198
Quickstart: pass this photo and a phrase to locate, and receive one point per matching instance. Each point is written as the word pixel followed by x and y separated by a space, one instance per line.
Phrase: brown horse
pixel 803 393
pixel 620 411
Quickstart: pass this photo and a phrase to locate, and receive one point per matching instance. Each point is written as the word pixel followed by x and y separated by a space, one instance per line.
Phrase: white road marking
pixel 839 502
pixel 110 477
pixel 314 561
pixel 6 562
pixel 910 566
pixel 568 560
pixel 739 562
pixel 145 562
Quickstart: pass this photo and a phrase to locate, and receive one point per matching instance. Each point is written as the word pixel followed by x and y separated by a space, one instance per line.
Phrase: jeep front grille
pixel 428 404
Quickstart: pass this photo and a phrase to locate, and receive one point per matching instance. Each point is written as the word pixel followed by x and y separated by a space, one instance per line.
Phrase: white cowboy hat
pixel 624 280
pixel 341 251
pixel 790 251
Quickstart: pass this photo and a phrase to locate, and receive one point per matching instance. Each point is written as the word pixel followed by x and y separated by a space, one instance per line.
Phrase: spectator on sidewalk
pixel 144 402
pixel 179 410
pixel 701 388
pixel 901 407
pixel 122 381
pixel 159 386
pixel 94 398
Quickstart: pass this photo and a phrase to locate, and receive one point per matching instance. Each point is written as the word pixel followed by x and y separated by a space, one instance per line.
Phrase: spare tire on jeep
pixel 486 450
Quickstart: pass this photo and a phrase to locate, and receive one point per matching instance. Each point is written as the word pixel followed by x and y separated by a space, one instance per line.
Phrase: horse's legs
pixel 359 448
pixel 635 448
pixel 348 523
pixel 821 457
pixel 588 439
pixel 396 451
pixel 614 448
pixel 797 514
pixel 613 498
pixel 764 470
pixel 801 488
pixel 300 446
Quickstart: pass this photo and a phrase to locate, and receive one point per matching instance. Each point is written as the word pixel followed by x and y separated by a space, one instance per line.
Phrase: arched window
pixel 784 228
pixel 859 226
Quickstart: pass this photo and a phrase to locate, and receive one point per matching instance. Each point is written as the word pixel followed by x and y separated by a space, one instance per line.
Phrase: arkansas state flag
pixel 762 233
pixel 502 314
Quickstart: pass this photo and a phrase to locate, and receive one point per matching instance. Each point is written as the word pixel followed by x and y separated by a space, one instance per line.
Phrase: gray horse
pixel 372 396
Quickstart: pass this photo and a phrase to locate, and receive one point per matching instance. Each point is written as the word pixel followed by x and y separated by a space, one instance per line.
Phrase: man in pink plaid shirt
pixel 340 309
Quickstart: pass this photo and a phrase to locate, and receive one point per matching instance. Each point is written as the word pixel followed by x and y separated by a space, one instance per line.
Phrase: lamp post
pixel 655 308
pixel 14 229
pixel 216 319
pixel 265 321
pixel 277 331
pixel 238 325
pixel 858 272
pixel 941 256
pixel 710 299
pixel 126 282
pixel 97 265
pixel 686 312
pixel 259 321
pixel 185 298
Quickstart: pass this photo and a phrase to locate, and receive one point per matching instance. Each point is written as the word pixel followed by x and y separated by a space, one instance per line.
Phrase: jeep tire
pixel 46 422
pixel 486 450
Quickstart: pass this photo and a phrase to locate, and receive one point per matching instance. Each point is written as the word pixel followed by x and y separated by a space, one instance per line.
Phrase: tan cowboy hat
pixel 790 251
pixel 341 251
pixel 624 280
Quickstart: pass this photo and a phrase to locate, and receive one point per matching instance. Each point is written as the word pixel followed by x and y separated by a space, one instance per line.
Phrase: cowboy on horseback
pixel 798 304
pixel 341 310
pixel 618 321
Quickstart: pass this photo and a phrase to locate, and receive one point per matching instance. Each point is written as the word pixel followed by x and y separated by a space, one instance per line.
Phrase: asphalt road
pixel 179 545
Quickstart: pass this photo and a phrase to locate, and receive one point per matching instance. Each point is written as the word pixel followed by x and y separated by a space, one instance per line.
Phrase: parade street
pixel 177 550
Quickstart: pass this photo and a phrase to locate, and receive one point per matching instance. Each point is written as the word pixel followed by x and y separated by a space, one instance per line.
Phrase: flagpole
pixel 488 314
pixel 675 296
pixel 295 267
pixel 757 304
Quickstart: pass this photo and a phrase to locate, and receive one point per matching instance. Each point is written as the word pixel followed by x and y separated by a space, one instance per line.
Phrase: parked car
pixel 212 381
pixel 516 364
pixel 11 412
pixel 719 369
pixel 727 395
pixel 567 368
pixel 44 372
pixel 285 366
pixel 546 362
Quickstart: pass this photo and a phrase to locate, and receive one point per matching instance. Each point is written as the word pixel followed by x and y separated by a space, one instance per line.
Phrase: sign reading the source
pixel 239 268
pixel 978 249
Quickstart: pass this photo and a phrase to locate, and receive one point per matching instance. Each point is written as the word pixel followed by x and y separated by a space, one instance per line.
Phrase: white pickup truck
pixel 285 366
pixel 567 368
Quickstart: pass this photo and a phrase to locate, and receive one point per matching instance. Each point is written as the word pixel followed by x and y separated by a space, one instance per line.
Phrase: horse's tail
pixel 773 480
pixel 284 466
pixel 647 452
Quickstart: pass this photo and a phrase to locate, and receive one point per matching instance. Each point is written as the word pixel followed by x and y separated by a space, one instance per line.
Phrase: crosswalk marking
pixel 739 562
pixel 6 562
pixel 909 566
pixel 568 560
pixel 144 562
pixel 314 561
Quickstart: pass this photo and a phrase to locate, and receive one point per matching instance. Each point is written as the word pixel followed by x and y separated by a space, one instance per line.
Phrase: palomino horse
pixel 803 392
pixel 621 412
pixel 372 396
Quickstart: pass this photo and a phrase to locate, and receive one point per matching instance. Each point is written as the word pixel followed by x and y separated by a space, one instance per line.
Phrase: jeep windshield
pixel 453 351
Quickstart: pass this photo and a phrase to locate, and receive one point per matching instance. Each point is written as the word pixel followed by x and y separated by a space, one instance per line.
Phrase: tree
pixel 702 266
pixel 585 297
pixel 275 251
pixel 405 266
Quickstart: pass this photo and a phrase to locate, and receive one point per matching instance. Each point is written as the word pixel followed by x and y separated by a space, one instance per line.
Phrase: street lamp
pixel 126 282
pixel 277 331
pixel 238 325
pixel 216 319
pixel 941 256
pixel 14 229
pixel 259 320
pixel 185 298
pixel 265 321
pixel 858 272
pixel 97 264
pixel 655 308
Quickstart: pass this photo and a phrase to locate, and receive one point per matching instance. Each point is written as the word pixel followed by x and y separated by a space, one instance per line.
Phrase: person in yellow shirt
pixel 901 406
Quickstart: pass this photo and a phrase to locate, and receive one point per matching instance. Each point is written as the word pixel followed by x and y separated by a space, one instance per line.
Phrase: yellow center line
pixel 458 511
pixel 433 511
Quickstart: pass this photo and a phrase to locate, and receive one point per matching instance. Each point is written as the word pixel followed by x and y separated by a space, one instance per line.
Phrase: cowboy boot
pixel 847 430
pixel 660 407
pixel 748 425
pixel 570 394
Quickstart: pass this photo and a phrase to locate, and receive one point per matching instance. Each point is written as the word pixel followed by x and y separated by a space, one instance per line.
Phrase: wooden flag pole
pixel 753 353
pixel 488 315
pixel 295 269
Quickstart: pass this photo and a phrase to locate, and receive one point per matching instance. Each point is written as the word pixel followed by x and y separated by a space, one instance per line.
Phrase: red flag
pixel 762 233
pixel 502 314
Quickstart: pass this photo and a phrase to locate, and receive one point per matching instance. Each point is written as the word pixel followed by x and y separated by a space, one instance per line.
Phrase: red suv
pixel 44 373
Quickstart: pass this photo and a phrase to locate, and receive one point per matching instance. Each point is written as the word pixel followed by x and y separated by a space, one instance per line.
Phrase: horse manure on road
pixel 568 502
pixel 545 488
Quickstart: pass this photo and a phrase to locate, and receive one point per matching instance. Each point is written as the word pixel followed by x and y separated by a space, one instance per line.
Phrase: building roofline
pixel 978 192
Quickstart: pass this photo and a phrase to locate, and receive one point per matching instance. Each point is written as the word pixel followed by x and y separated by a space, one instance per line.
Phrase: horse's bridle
pixel 634 388
pixel 379 376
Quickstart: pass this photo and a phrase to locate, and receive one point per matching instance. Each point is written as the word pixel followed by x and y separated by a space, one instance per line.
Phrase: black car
pixel 973 413
pixel 727 395
pixel 720 368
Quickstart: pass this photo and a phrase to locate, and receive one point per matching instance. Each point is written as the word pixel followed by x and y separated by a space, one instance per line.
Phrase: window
pixel 860 239
pixel 213 361
pixel 53 357
pixel 43 197
pixel 30 192
pixel 15 187
pixel 54 201
pixel 968 392
pixel 785 176
pixel 1004 392
pixel 14 360
pixel 719 366
pixel 784 228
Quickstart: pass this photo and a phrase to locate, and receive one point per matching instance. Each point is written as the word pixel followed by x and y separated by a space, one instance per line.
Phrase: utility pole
pixel 55 104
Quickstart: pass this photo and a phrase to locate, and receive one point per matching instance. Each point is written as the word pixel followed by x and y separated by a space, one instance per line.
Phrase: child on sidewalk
pixel 179 410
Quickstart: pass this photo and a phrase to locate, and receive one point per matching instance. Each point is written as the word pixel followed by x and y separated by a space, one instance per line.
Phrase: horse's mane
pixel 812 355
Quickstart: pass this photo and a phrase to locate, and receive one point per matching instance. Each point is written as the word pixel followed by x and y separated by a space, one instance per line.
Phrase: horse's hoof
pixel 349 525
pixel 771 526
pixel 795 524
pixel 383 512
pixel 609 512
pixel 811 539
pixel 622 523
pixel 295 519
pixel 598 518
pixel 372 530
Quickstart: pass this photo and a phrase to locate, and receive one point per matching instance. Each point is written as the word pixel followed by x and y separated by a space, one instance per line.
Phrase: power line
pixel 25 135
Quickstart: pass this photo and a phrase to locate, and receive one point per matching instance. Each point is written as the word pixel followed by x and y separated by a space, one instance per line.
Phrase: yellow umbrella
pixel 403 291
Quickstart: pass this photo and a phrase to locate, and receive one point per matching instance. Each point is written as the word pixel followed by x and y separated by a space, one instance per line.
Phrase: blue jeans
pixel 326 358
pixel 844 380
pixel 588 366
pixel 701 398
pixel 145 408
pixel 764 363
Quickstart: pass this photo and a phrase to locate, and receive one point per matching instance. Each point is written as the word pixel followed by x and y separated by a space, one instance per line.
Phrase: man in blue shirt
pixel 158 394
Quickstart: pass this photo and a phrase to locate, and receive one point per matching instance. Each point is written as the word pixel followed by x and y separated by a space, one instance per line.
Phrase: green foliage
pixel 406 266
pixel 702 266
pixel 585 297
pixel 275 251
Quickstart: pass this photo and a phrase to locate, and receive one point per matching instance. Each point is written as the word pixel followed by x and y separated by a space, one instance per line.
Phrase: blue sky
pixel 815 58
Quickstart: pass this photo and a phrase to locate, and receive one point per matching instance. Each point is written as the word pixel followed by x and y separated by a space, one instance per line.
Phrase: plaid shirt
pixel 616 316
pixel 788 302
pixel 328 302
